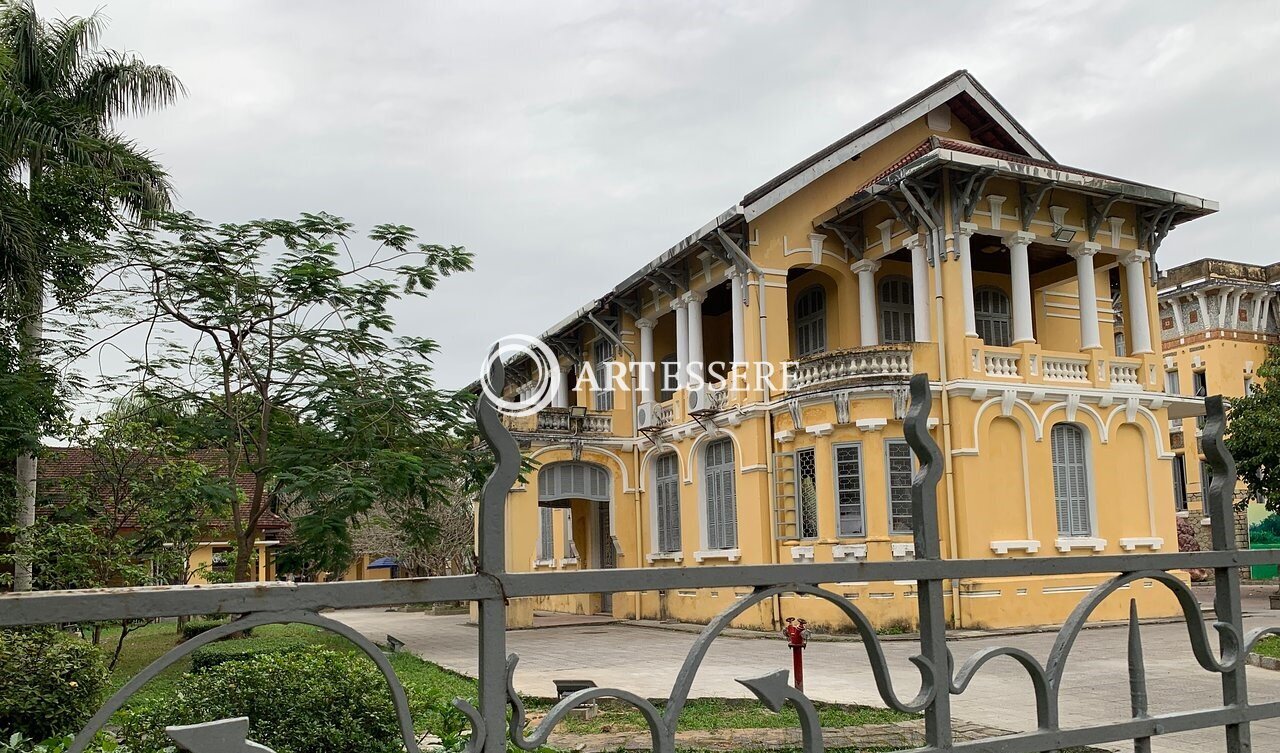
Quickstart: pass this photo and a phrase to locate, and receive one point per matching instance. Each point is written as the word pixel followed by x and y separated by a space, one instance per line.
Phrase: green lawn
pixel 425 681
pixel 1269 646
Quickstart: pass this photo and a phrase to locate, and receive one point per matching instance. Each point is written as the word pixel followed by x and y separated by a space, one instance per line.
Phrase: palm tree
pixel 60 95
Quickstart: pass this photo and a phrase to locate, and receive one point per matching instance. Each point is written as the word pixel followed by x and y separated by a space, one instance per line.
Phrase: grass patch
pixel 1269 646
pixel 727 713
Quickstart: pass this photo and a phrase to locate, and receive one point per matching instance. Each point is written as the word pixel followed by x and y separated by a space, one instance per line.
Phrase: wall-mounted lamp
pixel 1063 234
pixel 578 411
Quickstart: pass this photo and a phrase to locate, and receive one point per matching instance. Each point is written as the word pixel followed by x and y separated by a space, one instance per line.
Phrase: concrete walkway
pixel 645 661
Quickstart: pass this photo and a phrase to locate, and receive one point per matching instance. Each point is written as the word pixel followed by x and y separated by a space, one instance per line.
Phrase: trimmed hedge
pixel 309 701
pixel 196 627
pixel 51 682
pixel 220 652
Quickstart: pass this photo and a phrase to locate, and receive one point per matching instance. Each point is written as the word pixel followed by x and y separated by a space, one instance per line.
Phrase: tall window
pixel 667 500
pixel 807 473
pixel 546 534
pixel 849 517
pixel 1119 341
pixel 1199 385
pixel 1179 482
pixel 991 313
pixel 899 468
pixel 601 355
pixel 811 321
pixel 897 313
pixel 722 502
pixel 1171 381
pixel 1248 386
pixel 1070 480
pixel 666 377
pixel 570 547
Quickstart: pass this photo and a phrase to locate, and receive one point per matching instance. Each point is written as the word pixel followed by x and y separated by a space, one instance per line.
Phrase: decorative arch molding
pixel 617 461
pixel 1007 406
pixel 646 462
pixel 1070 407
pixel 1154 435
pixel 691 460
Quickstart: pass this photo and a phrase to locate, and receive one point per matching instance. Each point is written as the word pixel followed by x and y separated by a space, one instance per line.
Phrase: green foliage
pixel 50 682
pixel 239 649
pixel 1254 438
pixel 301 702
pixel 1265 532
pixel 192 628
pixel 316 397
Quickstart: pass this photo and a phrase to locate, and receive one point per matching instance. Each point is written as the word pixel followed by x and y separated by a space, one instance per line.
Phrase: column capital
pixel 869 266
pixel 1134 257
pixel 734 273
pixel 1088 248
pixel 913 241
pixel 695 296
pixel 645 323
pixel 967 229
pixel 678 303
pixel 1021 237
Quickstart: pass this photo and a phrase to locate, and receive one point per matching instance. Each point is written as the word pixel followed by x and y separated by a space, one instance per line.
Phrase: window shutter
pixel 1070 480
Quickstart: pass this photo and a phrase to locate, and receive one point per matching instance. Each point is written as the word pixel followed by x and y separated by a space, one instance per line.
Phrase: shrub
pixel 50 682
pixel 312 701
pixel 196 627
pixel 221 652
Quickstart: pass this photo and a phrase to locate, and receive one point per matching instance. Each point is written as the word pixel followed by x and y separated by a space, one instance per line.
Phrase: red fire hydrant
pixel 797 636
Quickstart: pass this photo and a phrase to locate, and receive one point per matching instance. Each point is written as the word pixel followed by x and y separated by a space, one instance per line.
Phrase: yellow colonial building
pixel 1217 320
pixel 939 238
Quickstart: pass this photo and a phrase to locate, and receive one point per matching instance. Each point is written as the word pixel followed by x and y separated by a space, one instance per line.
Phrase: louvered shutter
pixel 1070 480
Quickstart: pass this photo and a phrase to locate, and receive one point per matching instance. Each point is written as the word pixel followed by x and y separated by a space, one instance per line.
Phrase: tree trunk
pixel 26 463
pixel 244 554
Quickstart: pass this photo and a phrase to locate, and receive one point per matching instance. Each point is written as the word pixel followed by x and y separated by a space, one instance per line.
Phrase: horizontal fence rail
pixel 1219 647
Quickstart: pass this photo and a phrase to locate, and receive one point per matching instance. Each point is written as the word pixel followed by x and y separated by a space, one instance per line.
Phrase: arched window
pixel 666 500
pixel 811 321
pixel 721 499
pixel 1071 480
pixel 1120 346
pixel 897 312
pixel 991 313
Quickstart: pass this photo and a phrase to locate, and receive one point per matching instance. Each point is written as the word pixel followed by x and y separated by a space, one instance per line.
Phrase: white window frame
pixel 1179 464
pixel 570 546
pixel 666 541
pixel 802 519
pixel 1074 528
pixel 898 315
pixel 1172 378
pixel 722 472
pixel 990 323
pixel 889 486
pixel 811 327
pixel 861 489
pixel 602 353
pixel 546 535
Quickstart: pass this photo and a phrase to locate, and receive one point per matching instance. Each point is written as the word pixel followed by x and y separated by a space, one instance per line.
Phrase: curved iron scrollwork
pixel 940 678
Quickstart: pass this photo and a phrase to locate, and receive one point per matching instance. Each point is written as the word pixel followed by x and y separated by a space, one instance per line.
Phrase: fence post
pixel 1226 580
pixel 492 555
pixel 924 525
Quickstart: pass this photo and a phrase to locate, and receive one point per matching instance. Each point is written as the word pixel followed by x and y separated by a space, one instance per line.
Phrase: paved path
pixel 645 661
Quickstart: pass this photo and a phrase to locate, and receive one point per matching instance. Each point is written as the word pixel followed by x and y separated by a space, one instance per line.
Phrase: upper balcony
pixel 562 421
pixel 852 367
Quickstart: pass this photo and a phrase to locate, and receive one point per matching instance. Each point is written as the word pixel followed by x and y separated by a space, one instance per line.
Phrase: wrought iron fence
pixel 939 677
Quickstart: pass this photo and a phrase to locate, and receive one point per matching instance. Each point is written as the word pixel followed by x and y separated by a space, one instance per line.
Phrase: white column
pixel 695 300
pixel 869 326
pixel 919 285
pixel 1139 321
pixel 1204 309
pixel 1020 271
pixel 1264 312
pixel 1176 304
pixel 965 252
pixel 736 307
pixel 682 341
pixel 561 399
pixel 1087 287
pixel 645 377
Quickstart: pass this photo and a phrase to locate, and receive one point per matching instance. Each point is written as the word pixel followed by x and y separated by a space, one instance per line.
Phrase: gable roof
pixel 989 123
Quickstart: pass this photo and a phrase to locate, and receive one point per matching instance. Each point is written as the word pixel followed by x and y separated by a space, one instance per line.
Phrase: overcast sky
pixel 566 144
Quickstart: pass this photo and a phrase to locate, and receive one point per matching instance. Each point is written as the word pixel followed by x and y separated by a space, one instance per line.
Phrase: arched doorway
pixel 584 491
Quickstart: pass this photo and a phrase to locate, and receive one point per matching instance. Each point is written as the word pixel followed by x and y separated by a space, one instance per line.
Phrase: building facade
pixel 1217 320
pixel 939 238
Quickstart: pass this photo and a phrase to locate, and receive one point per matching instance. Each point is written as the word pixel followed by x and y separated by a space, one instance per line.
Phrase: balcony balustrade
pixel 857 364
pixel 1066 369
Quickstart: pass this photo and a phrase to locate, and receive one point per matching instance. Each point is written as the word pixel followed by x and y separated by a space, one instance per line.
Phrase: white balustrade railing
pixel 841 365
pixel 1000 364
pixel 559 419
pixel 663 414
pixel 1059 369
pixel 1124 376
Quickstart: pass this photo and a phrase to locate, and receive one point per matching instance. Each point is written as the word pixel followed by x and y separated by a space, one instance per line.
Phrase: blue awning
pixel 383 562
